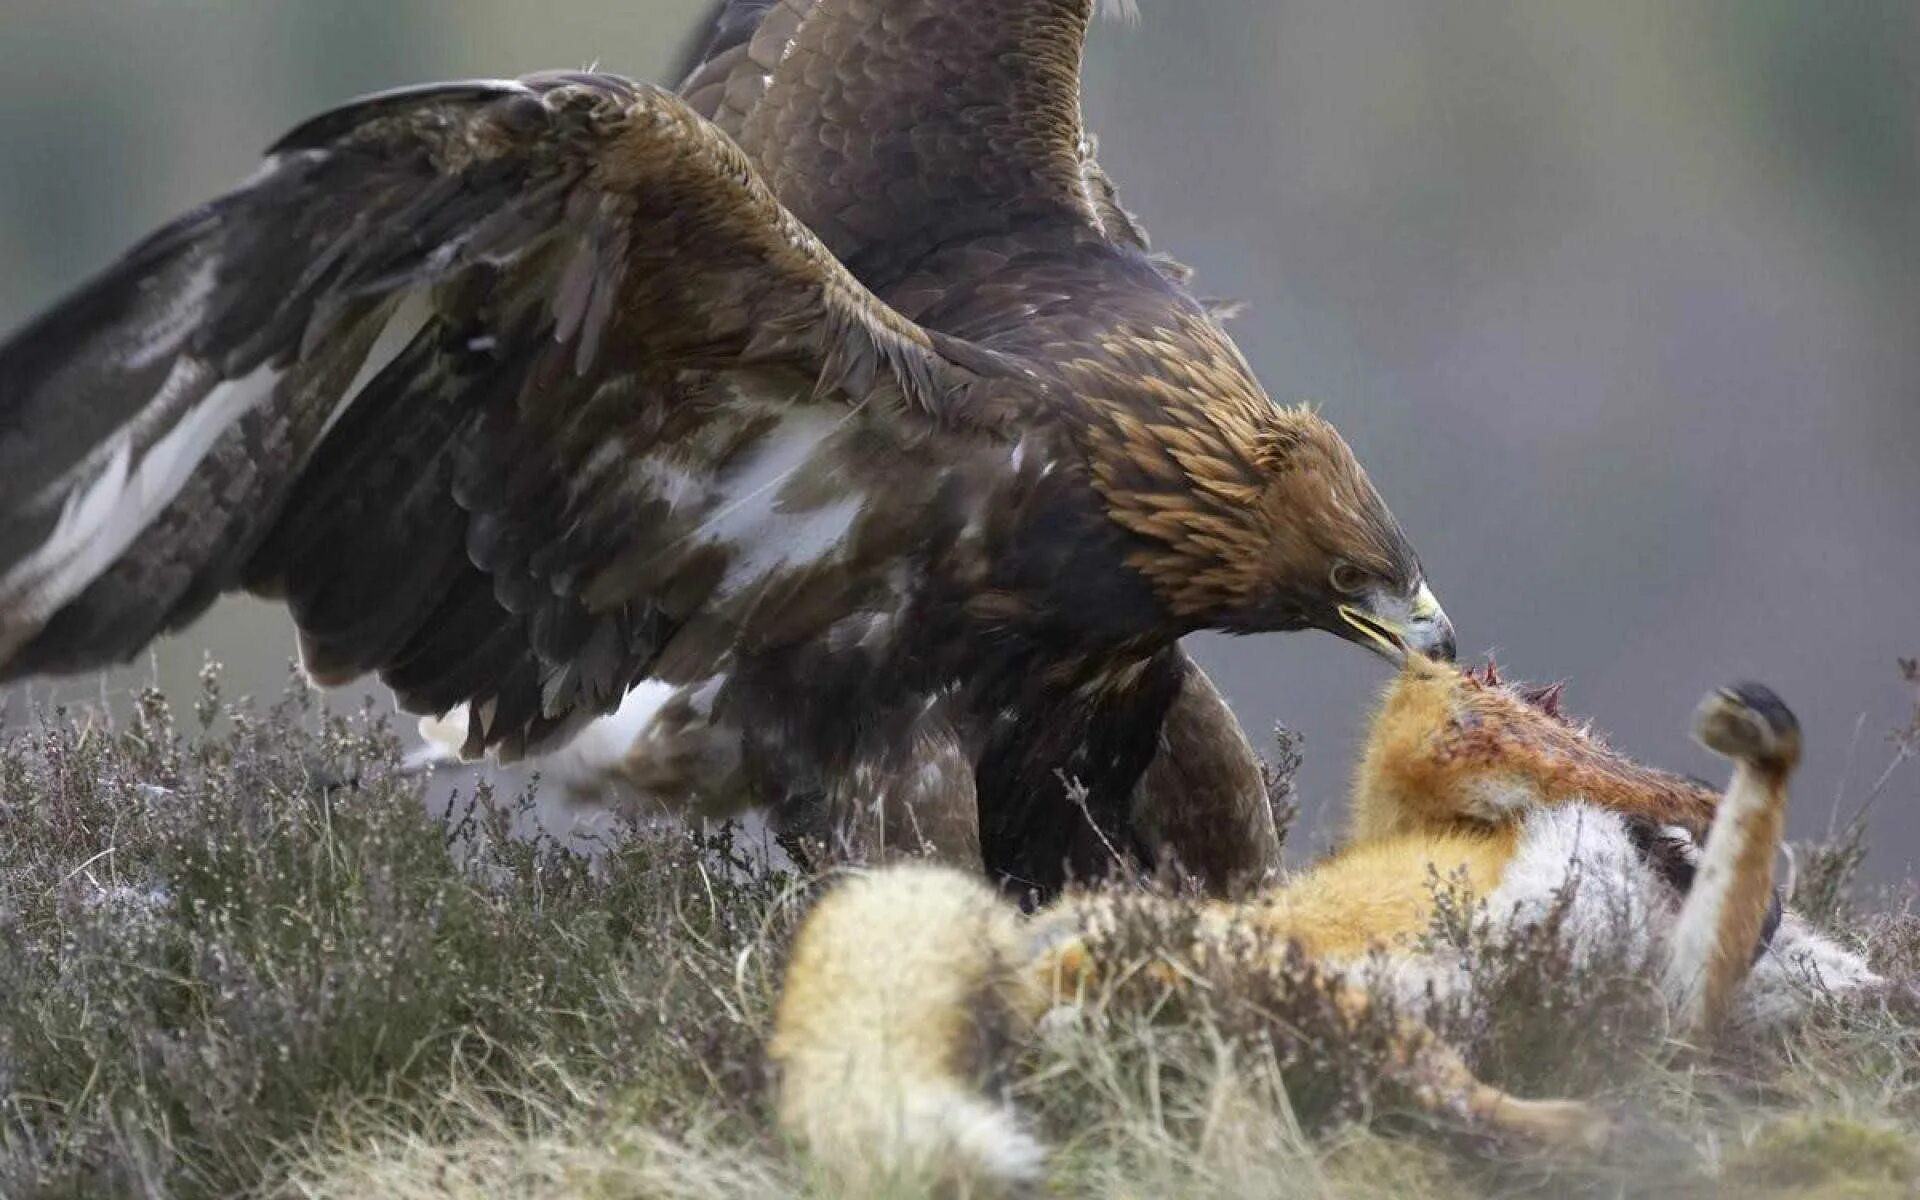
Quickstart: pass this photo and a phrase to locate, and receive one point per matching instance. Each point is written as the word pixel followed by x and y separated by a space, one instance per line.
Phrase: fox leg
pixel 1075 960
pixel 1720 922
pixel 1440 1083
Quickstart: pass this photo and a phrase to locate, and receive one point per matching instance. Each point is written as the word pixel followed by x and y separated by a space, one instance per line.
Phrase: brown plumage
pixel 840 395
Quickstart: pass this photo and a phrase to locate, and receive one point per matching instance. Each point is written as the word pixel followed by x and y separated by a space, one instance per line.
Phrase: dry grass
pixel 242 959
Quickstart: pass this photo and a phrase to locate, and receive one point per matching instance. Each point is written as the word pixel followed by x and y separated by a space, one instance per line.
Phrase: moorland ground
pixel 238 955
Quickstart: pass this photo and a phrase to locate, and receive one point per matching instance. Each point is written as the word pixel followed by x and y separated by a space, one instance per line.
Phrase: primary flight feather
pixel 839 395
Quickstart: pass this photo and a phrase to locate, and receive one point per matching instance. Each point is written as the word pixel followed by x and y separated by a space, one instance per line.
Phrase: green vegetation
pixel 243 958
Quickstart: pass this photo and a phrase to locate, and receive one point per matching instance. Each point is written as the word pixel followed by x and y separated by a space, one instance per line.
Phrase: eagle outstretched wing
pixel 475 376
pixel 894 126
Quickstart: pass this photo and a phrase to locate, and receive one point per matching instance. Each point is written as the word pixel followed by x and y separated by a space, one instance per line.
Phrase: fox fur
pixel 909 986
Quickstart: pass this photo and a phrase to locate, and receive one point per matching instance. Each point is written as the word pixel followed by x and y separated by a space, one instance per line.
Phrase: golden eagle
pixel 838 394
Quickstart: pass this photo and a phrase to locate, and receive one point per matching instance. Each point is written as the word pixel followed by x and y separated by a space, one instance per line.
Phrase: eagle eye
pixel 1347 579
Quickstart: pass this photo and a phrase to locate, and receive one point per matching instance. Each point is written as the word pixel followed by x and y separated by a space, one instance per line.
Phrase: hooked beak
pixel 1394 626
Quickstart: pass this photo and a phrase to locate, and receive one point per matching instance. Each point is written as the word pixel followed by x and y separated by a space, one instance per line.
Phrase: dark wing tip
pixel 28 353
pixel 317 133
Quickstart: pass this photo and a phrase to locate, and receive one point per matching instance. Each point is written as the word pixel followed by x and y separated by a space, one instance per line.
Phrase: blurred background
pixel 1620 303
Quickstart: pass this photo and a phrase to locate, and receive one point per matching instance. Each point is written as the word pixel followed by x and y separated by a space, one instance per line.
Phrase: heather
pixel 239 955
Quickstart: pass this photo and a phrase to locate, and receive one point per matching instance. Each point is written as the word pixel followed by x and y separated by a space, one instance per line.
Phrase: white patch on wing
pixel 162 335
pixel 764 534
pixel 788 541
pixel 403 324
pixel 866 630
pixel 111 497
pixel 662 480
pixel 702 696
pixel 606 455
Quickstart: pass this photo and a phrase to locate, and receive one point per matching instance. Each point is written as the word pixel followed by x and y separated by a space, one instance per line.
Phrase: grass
pixel 239 957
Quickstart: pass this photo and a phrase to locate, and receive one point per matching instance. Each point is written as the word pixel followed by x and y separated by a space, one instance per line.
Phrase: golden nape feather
pixel 911 989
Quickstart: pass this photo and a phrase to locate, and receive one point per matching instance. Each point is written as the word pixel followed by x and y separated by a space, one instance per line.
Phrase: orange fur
pixel 1447 749
pixel 1452 766
pixel 1711 950
pixel 1377 894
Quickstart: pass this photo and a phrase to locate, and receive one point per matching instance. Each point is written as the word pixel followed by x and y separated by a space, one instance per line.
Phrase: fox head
pixel 1452 748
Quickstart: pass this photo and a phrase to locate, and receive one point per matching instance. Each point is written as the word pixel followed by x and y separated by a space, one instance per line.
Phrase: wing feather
pixel 426 376
pixel 891 126
pixel 906 123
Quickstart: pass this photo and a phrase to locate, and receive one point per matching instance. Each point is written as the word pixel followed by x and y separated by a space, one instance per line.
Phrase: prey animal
pixel 910 989
pixel 838 397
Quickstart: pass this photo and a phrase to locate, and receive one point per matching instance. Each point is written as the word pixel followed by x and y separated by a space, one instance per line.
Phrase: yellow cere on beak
pixel 1425 606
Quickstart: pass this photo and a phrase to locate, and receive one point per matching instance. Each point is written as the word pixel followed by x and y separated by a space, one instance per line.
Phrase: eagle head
pixel 1244 515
